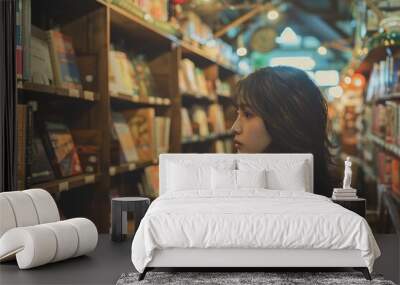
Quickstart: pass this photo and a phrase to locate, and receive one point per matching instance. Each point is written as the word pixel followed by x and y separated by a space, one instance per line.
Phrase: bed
pixel 247 210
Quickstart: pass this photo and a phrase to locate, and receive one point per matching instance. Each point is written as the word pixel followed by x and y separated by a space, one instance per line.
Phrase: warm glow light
pixel 358 80
pixel 335 91
pixel 273 15
pixel 322 50
pixel 327 77
pixel 302 62
pixel 242 51
pixel 347 80
pixel 288 36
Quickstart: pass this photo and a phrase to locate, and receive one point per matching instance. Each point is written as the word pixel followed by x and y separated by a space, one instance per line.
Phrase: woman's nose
pixel 236 127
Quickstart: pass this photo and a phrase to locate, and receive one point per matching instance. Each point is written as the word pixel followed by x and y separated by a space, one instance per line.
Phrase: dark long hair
pixel 294 113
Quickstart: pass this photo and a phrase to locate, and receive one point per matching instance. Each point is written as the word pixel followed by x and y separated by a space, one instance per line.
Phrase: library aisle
pixel 103 87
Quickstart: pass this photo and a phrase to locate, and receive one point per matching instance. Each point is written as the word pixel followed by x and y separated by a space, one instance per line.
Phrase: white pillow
pixel 281 174
pixel 188 175
pixel 223 179
pixel 237 179
pixel 183 178
pixel 292 179
pixel 251 178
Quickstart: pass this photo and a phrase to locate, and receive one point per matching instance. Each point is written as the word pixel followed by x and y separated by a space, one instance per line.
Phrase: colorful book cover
pixel 141 125
pixel 64 155
pixel 64 62
pixel 41 169
pixel 125 139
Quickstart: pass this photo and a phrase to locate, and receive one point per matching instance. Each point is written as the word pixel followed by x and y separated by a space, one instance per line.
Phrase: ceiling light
pixel 242 51
pixel 327 77
pixel 272 15
pixel 347 80
pixel 322 50
pixel 301 62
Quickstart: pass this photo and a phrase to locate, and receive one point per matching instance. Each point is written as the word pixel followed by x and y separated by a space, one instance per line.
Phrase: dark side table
pixel 357 205
pixel 119 208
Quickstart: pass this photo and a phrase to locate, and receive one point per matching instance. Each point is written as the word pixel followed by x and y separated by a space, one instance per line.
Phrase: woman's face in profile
pixel 251 136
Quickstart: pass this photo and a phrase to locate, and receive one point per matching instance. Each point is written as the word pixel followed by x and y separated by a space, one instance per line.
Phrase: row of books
pixel 195 31
pixel 194 81
pixel 384 79
pixel 139 135
pixel 388 170
pixel 130 75
pixel 385 121
pixel 44 57
pixel 49 149
pixel 202 121
pixel 155 12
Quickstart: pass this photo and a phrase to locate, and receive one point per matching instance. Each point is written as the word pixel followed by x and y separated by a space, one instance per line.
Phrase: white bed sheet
pixel 252 218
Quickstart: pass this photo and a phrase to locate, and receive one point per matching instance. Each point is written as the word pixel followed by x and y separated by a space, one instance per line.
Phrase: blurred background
pixel 104 87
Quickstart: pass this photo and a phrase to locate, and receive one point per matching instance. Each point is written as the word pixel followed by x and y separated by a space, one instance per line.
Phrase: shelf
pixel 128 167
pixel 50 90
pixel 225 99
pixel 212 137
pixel 390 97
pixel 188 98
pixel 139 28
pixel 392 148
pixel 136 100
pixel 202 58
pixel 65 184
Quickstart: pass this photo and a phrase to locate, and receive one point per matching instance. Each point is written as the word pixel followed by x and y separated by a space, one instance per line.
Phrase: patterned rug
pixel 230 278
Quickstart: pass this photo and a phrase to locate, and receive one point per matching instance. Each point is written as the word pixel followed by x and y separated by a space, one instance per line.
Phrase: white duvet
pixel 256 218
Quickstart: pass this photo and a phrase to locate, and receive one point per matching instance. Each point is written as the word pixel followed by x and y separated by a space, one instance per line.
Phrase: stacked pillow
pixel 231 175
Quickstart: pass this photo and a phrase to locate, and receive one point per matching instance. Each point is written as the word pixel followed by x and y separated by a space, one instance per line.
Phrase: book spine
pixel 26 38
pixel 29 142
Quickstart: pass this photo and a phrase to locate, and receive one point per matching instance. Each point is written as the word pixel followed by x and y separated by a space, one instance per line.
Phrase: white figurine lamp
pixel 347 192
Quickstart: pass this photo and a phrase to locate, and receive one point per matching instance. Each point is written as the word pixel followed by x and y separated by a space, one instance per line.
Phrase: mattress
pixel 250 219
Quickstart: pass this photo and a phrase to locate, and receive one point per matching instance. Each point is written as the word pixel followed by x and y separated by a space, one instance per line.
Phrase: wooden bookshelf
pixel 66 184
pixel 205 139
pixel 390 97
pixel 34 89
pixel 94 27
pixel 188 98
pixel 392 148
pixel 127 167
pixel 146 102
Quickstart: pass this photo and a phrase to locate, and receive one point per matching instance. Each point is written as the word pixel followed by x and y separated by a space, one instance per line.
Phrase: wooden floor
pixel 110 260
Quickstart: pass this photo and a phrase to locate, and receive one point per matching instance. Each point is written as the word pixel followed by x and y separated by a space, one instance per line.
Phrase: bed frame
pixel 249 257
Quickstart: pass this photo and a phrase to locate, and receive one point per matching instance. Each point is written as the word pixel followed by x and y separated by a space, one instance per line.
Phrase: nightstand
pixel 357 205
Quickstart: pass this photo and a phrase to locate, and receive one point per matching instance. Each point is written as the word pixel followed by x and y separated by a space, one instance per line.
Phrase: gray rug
pixel 229 278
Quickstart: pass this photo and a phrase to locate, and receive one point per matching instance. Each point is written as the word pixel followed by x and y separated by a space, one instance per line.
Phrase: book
pixel 216 118
pixel 18 39
pixel 62 149
pixel 122 76
pixel 41 69
pixel 125 139
pixel 152 178
pixel 87 142
pixel 199 117
pixel 26 23
pixel 186 125
pixel 21 145
pixel 141 125
pixel 41 169
pixel 65 68
pixel 162 134
pixel 144 77
pixel 396 176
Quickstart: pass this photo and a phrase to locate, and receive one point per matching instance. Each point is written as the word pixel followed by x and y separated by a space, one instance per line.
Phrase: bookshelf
pixel 96 28
pixel 378 148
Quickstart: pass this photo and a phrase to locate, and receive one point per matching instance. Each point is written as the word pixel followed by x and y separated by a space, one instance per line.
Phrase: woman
pixel 281 110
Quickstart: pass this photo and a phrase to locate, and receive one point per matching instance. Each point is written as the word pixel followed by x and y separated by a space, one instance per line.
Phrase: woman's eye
pixel 247 114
